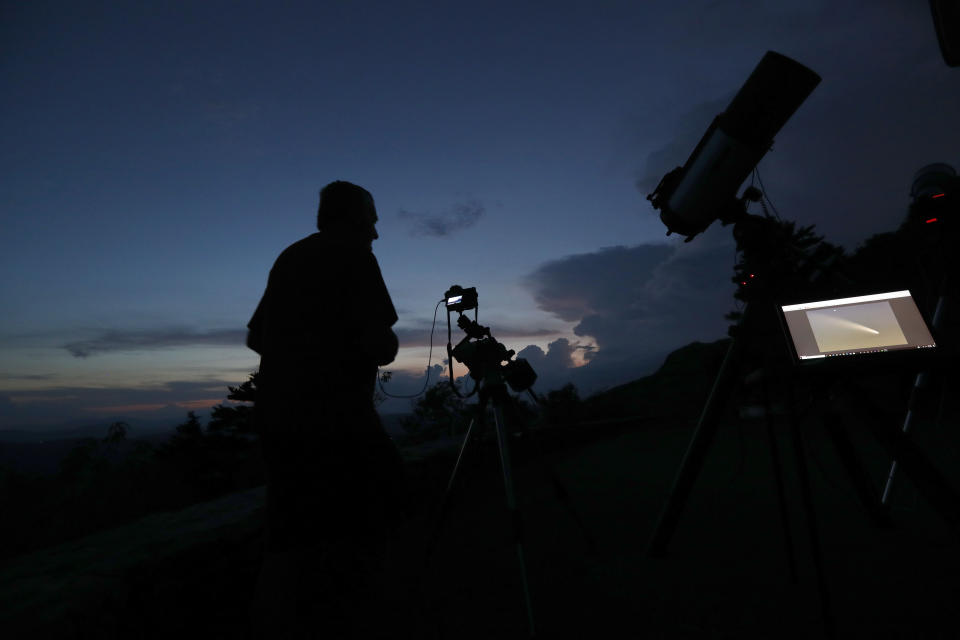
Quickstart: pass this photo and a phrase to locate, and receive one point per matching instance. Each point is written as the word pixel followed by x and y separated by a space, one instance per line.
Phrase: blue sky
pixel 159 155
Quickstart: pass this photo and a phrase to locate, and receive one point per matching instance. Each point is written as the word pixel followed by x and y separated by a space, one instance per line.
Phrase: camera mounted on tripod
pixel 484 357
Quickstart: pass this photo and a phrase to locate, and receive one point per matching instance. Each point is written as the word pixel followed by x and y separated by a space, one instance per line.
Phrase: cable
pixel 429 360
pixel 764 190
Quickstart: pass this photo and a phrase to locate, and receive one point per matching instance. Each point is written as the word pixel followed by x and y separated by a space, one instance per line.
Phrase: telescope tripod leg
pixel 855 470
pixel 829 623
pixel 558 487
pixel 918 383
pixel 470 442
pixel 514 510
pixel 693 459
pixel 778 477
pixel 930 483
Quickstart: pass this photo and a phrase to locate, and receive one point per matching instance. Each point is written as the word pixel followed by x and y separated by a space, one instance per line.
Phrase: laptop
pixel 876 328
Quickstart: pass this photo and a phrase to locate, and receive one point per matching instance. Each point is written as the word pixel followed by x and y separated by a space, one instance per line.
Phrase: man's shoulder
pixel 302 246
pixel 311 249
pixel 317 254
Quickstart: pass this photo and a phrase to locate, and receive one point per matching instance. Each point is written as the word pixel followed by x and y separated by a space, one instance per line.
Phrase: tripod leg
pixel 514 510
pixel 918 383
pixel 558 488
pixel 778 476
pixel 474 432
pixel 915 463
pixel 697 449
pixel 816 551
pixel 855 470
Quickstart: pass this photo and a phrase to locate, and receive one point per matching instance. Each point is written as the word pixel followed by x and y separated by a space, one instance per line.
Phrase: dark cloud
pixel 461 216
pixel 638 304
pixel 120 340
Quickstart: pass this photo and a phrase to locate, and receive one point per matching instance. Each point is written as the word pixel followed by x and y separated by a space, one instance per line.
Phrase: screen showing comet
pixel 863 324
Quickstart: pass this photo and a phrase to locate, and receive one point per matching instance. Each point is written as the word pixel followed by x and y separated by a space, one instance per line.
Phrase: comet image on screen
pixel 862 326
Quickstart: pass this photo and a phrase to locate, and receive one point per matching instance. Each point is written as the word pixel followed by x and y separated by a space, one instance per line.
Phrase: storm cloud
pixel 637 303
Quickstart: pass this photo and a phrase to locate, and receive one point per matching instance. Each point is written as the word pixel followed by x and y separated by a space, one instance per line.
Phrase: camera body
pixel 459 299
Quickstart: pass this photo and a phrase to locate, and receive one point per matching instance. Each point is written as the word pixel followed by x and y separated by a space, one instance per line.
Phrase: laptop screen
pixel 862 324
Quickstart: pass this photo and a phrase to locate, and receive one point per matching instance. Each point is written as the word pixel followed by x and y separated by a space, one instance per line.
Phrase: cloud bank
pixel 637 303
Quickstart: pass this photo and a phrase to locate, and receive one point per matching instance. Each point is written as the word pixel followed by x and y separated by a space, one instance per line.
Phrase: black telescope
pixel 692 196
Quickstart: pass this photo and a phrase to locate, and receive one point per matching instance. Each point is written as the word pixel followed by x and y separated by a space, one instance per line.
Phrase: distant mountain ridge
pixel 678 389
pixel 73 429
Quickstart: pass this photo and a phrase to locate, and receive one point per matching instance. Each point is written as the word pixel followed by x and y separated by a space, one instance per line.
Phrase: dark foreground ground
pixel 191 573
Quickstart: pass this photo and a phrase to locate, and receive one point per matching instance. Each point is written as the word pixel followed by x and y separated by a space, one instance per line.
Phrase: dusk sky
pixel 158 156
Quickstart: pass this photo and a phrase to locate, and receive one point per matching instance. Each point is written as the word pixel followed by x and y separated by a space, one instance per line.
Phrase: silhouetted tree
pixel 562 407
pixel 190 429
pixel 378 397
pixel 238 420
pixel 776 258
pixel 439 410
pixel 116 433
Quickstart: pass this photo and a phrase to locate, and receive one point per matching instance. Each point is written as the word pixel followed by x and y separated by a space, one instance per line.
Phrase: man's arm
pixel 380 343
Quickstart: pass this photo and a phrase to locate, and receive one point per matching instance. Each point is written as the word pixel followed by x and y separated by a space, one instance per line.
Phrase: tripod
pixel 493 390
pixel 912 460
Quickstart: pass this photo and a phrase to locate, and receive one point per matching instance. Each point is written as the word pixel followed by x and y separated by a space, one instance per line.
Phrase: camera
pixel 479 351
pixel 460 299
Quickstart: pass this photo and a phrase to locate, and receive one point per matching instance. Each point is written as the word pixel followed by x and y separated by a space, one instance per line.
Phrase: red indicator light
pixel 938 195
pixel 931 220
pixel 743 283
pixel 751 275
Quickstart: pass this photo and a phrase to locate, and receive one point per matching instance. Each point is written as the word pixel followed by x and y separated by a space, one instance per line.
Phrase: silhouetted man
pixel 321 329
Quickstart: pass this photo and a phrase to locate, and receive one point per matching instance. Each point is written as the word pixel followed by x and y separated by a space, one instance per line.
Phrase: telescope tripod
pixel 494 390
pixel 912 460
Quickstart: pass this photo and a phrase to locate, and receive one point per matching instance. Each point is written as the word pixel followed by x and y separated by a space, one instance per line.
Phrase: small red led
pixel 931 220
pixel 938 195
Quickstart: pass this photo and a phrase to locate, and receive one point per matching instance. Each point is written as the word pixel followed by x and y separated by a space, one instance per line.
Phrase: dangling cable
pixel 429 360
pixel 763 189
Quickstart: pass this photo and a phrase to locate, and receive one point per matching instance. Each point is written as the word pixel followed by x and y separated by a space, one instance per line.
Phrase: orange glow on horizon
pixel 190 405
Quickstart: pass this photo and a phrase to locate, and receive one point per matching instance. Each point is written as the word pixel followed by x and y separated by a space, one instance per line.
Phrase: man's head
pixel 347 210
